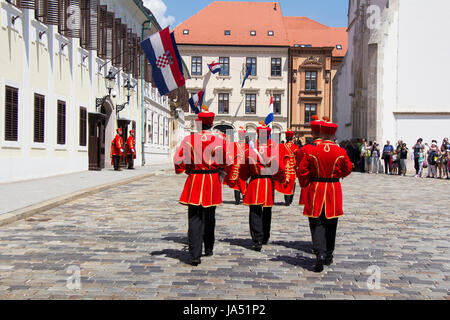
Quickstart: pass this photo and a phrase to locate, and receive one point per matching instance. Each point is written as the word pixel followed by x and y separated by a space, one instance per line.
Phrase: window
pixel 224 103
pixel 250 103
pixel 276 67
pixel 196 66
pixel 39 118
pixel 270 33
pixel 277 103
pixel 251 62
pixel 225 66
pixel 339 47
pixel 61 123
pixel 311 81
pixel 11 113
pixel 253 33
pixel 227 32
pixel 310 110
pixel 83 126
pixel 186 31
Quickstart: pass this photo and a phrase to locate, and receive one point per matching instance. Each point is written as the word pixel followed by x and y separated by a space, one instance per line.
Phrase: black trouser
pixel 387 167
pixel 416 164
pixel 260 220
pixel 237 196
pixel 289 198
pixel 323 232
pixel 202 223
pixel 116 160
pixel 130 159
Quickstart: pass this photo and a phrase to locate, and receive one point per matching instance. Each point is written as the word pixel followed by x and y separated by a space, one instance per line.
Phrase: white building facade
pixel 57 114
pixel 394 79
pixel 234 106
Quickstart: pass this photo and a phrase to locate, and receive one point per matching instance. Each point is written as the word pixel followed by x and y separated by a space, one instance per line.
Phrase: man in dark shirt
pixel 416 148
pixel 387 154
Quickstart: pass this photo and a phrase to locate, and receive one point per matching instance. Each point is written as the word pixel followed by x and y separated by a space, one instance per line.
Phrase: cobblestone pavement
pixel 130 243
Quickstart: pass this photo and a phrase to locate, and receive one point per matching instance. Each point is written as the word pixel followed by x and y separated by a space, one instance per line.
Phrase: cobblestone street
pixel 130 243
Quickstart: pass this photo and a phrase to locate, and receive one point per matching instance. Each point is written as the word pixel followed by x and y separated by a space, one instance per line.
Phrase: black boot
pixel 328 261
pixel 196 262
pixel 319 264
pixel 257 247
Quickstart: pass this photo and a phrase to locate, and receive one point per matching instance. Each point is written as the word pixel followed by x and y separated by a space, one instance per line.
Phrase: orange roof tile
pixel 208 25
pixel 302 30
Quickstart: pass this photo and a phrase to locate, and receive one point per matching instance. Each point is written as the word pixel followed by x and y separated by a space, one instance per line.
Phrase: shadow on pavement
pixel 304 246
pixel 181 255
pixel 245 243
pixel 299 261
pixel 180 239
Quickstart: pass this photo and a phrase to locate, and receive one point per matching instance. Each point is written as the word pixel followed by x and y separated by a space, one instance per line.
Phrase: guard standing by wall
pixel 131 150
pixel 289 155
pixel 117 149
pixel 263 167
pixel 320 171
pixel 200 156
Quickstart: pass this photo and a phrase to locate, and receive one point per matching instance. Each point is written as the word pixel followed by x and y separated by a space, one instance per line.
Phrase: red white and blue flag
pixel 215 67
pixel 162 53
pixel 196 102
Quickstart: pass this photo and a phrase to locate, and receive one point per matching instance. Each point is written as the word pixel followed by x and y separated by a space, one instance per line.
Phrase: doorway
pixel 96 149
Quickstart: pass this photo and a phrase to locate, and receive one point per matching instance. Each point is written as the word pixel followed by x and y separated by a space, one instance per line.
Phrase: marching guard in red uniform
pixel 131 150
pixel 200 156
pixel 117 149
pixel 316 133
pixel 262 166
pixel 320 171
pixel 289 154
pixel 233 179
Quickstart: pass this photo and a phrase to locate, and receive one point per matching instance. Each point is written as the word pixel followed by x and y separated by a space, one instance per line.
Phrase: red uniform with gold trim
pixel 131 146
pixel 199 152
pixel 264 160
pixel 324 161
pixel 233 179
pixel 289 154
pixel 303 151
pixel 117 146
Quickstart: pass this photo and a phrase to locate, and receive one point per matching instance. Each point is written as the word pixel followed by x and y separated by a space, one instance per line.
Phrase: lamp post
pixel 110 80
pixel 128 86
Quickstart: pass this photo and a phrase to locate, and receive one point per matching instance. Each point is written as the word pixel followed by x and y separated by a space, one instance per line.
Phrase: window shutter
pixel 39 118
pixel 128 68
pixel 26 4
pixel 109 35
pixel 124 43
pixel 11 113
pixel 61 125
pixel 117 43
pixel 137 57
pixel 83 127
pixel 89 24
pixel 101 32
pixel 52 14
pixel 70 18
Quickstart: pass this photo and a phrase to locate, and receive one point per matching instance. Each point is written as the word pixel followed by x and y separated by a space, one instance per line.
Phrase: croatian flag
pixel 215 67
pixel 162 53
pixel 247 74
pixel 269 118
pixel 196 102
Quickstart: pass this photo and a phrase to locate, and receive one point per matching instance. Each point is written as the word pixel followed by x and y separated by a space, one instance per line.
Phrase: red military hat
pixel 119 130
pixel 206 117
pixel 263 128
pixel 132 131
pixel 315 124
pixel 242 132
pixel 329 128
pixel 290 134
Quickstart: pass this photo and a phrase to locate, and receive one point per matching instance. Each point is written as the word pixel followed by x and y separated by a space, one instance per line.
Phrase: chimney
pixel 275 8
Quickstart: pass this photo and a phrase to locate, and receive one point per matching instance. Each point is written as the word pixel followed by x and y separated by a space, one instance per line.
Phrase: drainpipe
pixel 144 28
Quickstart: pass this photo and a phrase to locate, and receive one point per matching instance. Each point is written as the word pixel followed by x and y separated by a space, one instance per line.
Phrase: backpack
pixel 367 153
pixel 432 158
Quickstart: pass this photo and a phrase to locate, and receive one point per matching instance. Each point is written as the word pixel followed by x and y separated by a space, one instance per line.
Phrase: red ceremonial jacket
pixel 305 150
pixel 233 178
pixel 131 146
pixel 117 145
pixel 289 154
pixel 326 160
pixel 262 161
pixel 199 152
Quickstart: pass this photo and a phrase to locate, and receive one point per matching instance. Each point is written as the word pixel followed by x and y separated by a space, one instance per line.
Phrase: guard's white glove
pixel 121 150
pixel 132 150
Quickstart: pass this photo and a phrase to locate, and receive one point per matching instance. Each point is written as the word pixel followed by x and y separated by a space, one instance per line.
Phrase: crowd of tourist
pixel 371 157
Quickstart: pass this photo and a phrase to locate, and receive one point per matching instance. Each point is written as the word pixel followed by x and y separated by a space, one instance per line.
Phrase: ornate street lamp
pixel 128 86
pixel 110 80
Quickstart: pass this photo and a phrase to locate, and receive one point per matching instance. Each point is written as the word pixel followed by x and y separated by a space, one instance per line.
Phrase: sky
pixel 332 13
